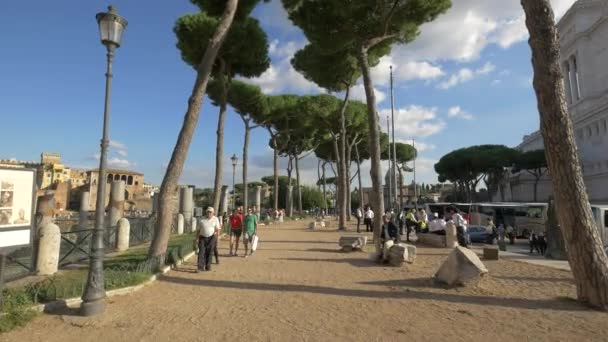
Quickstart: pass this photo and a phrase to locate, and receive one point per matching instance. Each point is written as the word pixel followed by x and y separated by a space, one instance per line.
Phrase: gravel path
pixel 299 287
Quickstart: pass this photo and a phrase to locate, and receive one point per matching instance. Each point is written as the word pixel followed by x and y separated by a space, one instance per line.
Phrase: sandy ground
pixel 299 287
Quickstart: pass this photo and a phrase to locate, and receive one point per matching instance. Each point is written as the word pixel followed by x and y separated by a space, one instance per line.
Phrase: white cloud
pixel 465 75
pixel 281 77
pixel 415 121
pixel 122 153
pixel 495 82
pixel 120 163
pixel 406 71
pixel 117 145
pixel 457 112
pixel 358 93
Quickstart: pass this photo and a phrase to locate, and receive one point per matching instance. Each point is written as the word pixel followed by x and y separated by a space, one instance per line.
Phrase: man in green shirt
pixel 250 223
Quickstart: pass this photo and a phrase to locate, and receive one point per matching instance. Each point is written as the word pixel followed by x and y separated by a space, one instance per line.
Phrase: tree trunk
pixel 340 202
pixel 319 174
pixel 344 180
pixel 324 188
pixel 349 150
pixel 556 248
pixel 275 188
pixel 400 190
pixel 359 176
pixel 377 195
pixel 586 256
pixel 289 194
pixel 219 144
pixel 168 188
pixel 245 158
pixel 300 212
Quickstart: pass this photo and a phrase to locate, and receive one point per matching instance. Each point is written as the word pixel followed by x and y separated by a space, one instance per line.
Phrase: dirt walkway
pixel 298 287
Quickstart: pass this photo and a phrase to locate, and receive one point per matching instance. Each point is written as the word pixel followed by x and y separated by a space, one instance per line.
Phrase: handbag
pixel 254 243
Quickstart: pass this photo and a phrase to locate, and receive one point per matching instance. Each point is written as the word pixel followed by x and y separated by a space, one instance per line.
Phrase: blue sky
pixel 465 81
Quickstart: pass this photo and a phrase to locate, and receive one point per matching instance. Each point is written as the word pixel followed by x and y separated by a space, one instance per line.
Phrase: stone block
pixel 461 268
pixel 47 262
pixel 490 253
pixel 180 224
pixel 386 249
pixel 397 254
pixel 349 243
pixel 123 234
pixel 432 239
pixel 411 253
pixel 316 225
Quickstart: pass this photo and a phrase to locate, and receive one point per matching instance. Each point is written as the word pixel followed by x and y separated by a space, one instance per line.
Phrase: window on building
pixel 123 178
pixel 110 178
pixel 567 84
pixel 589 132
pixel 577 86
pixel 136 183
pixel 130 180
pixel 605 126
pixel 579 134
pixel 597 128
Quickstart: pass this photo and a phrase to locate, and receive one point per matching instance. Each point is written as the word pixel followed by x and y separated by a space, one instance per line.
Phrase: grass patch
pixel 127 269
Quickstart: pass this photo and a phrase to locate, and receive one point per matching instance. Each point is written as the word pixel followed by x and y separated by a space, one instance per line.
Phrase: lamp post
pixel 235 160
pixel 111 27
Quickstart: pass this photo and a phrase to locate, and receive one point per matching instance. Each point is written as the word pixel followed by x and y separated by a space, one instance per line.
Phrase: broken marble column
pixel 123 234
pixel 83 217
pixel 180 224
pixel 47 261
pixel 258 198
pixel 186 206
pixel 461 268
pixel 451 240
pixel 117 202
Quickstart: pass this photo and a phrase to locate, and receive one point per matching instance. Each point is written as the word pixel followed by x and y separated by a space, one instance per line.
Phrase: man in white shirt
pixel 207 238
pixel 437 226
pixel 461 228
pixel 368 219
pixel 359 217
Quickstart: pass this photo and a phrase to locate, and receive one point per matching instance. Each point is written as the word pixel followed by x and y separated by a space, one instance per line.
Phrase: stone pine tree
pixel 356 27
pixel 273 118
pixel 249 103
pixel 245 53
pixel 586 256
pixel 204 67
pixel 534 163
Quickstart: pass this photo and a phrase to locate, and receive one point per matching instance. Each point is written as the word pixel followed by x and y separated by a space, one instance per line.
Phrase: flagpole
pixel 390 179
pixel 393 169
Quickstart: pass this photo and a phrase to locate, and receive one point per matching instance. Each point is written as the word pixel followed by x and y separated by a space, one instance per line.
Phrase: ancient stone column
pixel 193 224
pixel 117 203
pixel 180 224
pixel 223 201
pixel 186 206
pixel 83 218
pixel 123 234
pixel 47 261
pixel 258 198
pixel 451 240
pixel 45 210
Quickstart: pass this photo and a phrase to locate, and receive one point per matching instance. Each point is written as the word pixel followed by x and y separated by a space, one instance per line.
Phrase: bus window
pixel 606 219
pixel 535 212
pixel 463 208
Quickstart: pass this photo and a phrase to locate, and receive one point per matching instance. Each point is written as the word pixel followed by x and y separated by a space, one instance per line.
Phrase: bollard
pixel 122 235
pixel 258 198
pixel 47 261
pixel 186 206
pixel 180 224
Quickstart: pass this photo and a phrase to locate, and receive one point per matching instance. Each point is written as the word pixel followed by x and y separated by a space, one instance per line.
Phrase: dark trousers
pixel 358 224
pixel 461 236
pixel 205 246
pixel 369 225
pixel 217 256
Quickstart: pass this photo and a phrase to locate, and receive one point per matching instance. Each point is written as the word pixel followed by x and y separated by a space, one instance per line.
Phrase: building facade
pixel 134 186
pixel 583 33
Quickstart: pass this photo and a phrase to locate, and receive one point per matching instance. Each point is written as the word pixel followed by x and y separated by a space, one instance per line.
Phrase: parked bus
pixel 600 214
pixel 442 209
pixel 525 218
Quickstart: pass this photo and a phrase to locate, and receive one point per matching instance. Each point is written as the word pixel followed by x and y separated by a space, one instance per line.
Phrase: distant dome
pixel 386 177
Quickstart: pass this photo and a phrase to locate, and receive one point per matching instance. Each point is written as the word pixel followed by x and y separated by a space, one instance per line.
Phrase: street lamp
pixel 111 27
pixel 235 160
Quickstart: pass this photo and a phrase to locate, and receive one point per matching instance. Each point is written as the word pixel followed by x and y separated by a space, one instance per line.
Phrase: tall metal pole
pixel 233 187
pixel 390 178
pixel 93 299
pixel 415 185
pixel 393 169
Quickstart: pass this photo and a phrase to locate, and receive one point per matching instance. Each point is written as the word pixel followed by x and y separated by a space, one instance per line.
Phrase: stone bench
pixel 350 243
pixel 490 253
pixel 432 239
pixel 401 252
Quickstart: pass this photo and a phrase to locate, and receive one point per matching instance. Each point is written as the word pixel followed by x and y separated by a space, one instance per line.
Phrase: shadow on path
pixel 530 304
pixel 354 262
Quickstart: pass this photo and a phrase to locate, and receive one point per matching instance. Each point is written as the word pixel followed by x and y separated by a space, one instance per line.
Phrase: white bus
pixel 600 214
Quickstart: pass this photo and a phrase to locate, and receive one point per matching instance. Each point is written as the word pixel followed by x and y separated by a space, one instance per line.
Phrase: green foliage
pixel 311 198
pixel 250 186
pixel 15 311
pixel 405 152
pixel 215 8
pixel 532 161
pixel 245 51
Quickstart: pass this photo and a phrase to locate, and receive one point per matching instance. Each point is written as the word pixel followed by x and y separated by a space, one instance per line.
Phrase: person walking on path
pixel 251 229
pixel 236 230
pixel 209 226
pixel 461 228
pixel 359 215
pixel 368 219
pixel 411 222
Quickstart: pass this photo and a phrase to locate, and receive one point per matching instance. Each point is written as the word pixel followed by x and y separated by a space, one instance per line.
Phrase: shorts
pixel 247 237
pixel 236 233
